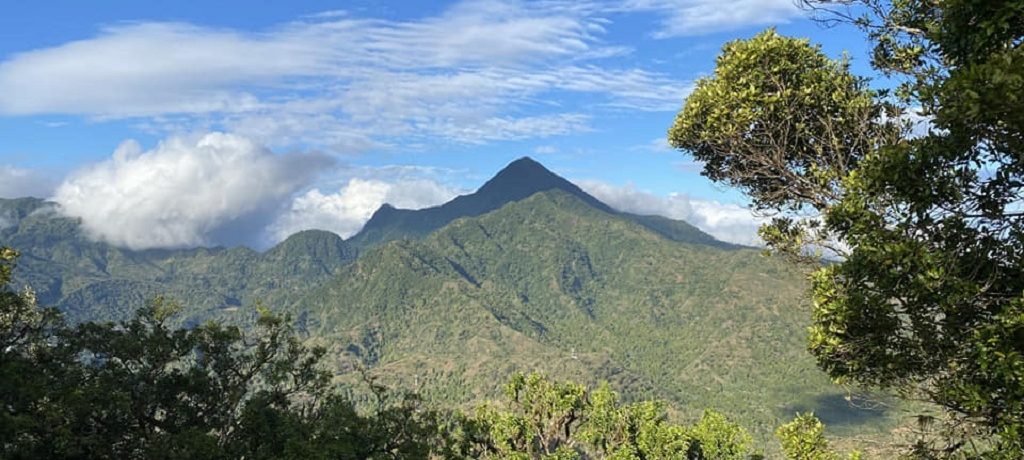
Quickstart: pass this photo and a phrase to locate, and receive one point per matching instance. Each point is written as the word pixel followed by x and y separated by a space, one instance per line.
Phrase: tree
pixel 141 389
pixel 804 439
pixel 564 420
pixel 924 292
pixel 29 362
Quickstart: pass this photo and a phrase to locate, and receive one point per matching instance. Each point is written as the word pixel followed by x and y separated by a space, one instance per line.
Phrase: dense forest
pixel 911 240
pixel 141 389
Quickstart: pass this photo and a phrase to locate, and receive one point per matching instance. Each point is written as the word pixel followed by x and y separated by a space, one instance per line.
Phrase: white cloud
pixel 345 211
pixel 698 17
pixel 19 182
pixel 348 83
pixel 144 69
pixel 287 128
pixel 918 124
pixel 211 189
pixel 727 222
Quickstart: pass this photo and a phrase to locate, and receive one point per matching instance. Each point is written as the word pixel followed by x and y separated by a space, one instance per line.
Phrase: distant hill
pixel 91 280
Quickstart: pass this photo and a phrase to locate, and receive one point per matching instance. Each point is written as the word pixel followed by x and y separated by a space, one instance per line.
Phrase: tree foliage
pixel 780 120
pixel 804 439
pixel 552 420
pixel 141 389
pixel 925 295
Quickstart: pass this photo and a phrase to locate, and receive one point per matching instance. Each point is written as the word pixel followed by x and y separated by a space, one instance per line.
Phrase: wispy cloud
pixel 346 82
pixel 656 145
pixel 698 17
pixel 510 128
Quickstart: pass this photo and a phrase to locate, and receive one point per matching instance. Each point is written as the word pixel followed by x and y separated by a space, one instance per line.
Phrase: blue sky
pixel 238 122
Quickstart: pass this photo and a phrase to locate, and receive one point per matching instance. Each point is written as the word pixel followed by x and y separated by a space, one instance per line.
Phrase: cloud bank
pixel 211 189
pixel 19 182
pixel 727 222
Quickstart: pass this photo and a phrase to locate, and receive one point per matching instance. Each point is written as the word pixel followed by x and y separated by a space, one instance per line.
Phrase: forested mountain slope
pixel 93 280
pixel 528 273
pixel 552 283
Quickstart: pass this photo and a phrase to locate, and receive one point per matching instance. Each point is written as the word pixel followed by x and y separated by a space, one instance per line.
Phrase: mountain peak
pixel 523 167
pixel 520 179
pixel 321 245
pixel 310 241
pixel 524 164
pixel 516 181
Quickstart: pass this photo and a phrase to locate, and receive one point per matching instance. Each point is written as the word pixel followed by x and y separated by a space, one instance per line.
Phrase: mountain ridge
pixel 94 280
pixel 80 275
pixel 518 180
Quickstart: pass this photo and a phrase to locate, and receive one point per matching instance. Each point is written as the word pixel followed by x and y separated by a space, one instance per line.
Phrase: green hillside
pixel 551 283
pixel 529 273
pixel 91 280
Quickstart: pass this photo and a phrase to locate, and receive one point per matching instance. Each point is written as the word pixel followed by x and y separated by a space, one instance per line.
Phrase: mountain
pixel 527 273
pixel 93 280
pixel 520 179
pixel 556 284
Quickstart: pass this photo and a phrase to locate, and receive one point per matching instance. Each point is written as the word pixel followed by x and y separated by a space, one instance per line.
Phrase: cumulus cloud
pixel 344 212
pixel 188 191
pixel 347 82
pixel 19 182
pixel 698 17
pixel 727 222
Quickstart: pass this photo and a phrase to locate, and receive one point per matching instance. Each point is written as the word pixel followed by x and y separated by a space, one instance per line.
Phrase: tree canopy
pixel 925 292
pixel 141 389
